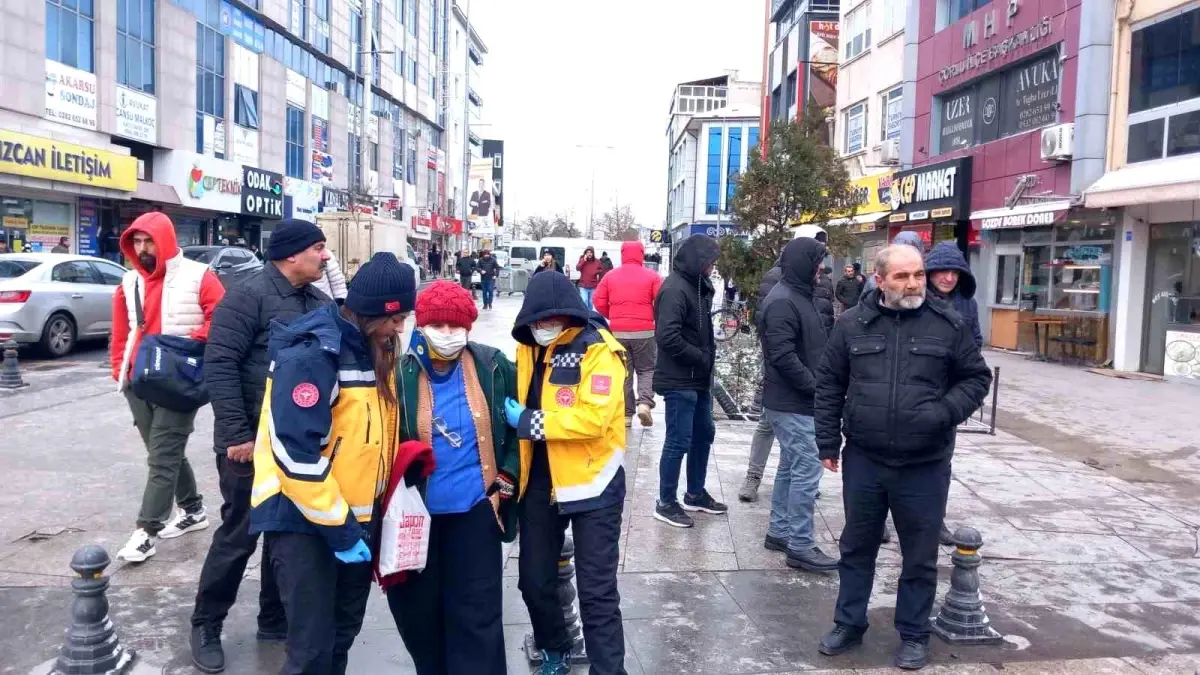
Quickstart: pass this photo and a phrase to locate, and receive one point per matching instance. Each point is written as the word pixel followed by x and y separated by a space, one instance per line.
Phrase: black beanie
pixel 381 287
pixel 292 236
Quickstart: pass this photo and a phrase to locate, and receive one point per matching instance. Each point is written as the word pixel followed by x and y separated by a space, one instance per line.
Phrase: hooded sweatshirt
pixel 906 237
pixel 793 330
pixel 947 256
pixel 178 297
pixel 682 316
pixel 626 295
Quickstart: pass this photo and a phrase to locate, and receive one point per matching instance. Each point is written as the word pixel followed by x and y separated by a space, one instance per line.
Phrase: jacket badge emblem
pixel 564 397
pixel 306 395
pixel 601 384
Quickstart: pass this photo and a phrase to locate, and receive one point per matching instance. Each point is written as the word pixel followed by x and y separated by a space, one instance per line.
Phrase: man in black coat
pixel 793 334
pixel 489 269
pixel 849 288
pixel 235 375
pixel 683 376
pixel 465 266
pixel 898 375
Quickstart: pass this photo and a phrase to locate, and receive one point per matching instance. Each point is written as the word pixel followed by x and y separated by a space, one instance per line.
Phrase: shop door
pixel 1173 275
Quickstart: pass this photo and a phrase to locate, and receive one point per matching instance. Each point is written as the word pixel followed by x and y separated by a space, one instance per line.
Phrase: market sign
pixel 202 181
pixel 871 194
pixel 70 95
pixel 262 193
pixel 37 157
pixel 932 188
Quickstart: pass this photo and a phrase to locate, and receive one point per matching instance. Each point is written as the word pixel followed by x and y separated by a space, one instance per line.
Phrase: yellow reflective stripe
pixel 594 487
pixel 334 516
pixel 260 492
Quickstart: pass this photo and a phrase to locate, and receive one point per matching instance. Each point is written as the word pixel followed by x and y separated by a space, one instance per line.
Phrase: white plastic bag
pixel 405 534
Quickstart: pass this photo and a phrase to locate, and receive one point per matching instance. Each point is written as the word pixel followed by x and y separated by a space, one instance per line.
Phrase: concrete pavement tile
pixel 382 651
pixel 1165 548
pixel 1065 521
pixel 781 593
pixel 1153 626
pixel 724 645
pixel 710 533
pixel 1142 521
pixel 939 669
pixel 687 594
pixel 1167 664
pixel 22 580
pixel 1081 548
pixel 677 560
pixel 1110 666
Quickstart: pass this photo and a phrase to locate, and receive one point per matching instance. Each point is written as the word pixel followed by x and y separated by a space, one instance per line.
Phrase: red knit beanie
pixel 446 302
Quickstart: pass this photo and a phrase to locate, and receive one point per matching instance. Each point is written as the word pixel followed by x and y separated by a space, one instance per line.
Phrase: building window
pixel 735 164
pixel 895 13
pixel 857 31
pixel 400 11
pixel 1014 101
pixel 412 20
pixel 69 32
pixel 356 37
pixel 433 26
pixel 210 71
pixel 856 128
pixel 296 135
pixel 245 106
pixel 753 138
pixel 432 85
pixel 891 103
pixel 397 144
pixel 950 11
pixel 321 26
pixel 354 162
pixel 373 148
pixel 412 70
pixel 712 202
pixel 298 18
pixel 792 96
pixel 1164 89
pixel 135 44
pixel 411 160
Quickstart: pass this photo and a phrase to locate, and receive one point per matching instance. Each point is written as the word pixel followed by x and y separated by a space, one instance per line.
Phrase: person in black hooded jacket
pixel 950 279
pixel 683 375
pixel 793 332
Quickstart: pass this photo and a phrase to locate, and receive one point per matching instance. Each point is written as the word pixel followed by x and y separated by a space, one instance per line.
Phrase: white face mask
pixel 446 345
pixel 545 336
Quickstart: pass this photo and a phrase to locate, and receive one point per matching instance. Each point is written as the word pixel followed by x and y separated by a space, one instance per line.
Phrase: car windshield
pixel 11 269
pixel 203 255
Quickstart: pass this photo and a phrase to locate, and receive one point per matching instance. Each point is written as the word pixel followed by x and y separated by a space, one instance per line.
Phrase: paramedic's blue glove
pixel 513 412
pixel 359 553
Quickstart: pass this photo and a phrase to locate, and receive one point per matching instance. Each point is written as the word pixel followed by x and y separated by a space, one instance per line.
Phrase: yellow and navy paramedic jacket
pixel 325 440
pixel 582 419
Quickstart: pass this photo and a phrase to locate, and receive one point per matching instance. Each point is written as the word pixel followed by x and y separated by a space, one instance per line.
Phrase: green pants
pixel 171 480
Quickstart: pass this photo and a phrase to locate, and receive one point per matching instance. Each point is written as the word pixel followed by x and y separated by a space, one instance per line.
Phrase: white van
pixel 521 252
pixel 567 251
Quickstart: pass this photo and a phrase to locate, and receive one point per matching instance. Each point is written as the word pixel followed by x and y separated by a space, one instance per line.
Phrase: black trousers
pixel 597 537
pixel 916 496
pixel 325 601
pixel 450 615
pixel 232 546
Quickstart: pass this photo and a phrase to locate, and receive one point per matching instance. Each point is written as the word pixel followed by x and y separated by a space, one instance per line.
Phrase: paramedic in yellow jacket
pixel 322 456
pixel 570 418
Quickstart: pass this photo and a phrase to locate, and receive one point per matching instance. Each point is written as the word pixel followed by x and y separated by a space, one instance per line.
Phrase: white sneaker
pixel 139 547
pixel 184 522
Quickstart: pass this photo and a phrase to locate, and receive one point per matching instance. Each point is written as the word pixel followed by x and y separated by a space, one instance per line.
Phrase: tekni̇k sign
pixel 1032 34
pixel 262 193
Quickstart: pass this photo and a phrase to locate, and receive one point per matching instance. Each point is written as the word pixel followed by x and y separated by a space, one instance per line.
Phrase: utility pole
pixel 466 176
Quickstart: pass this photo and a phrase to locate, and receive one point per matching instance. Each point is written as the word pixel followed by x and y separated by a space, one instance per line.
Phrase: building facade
pixel 464 107
pixel 231 113
pixel 800 58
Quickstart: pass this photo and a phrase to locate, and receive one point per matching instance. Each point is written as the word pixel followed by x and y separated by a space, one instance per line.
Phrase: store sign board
pixel 872 194
pixel 304 197
pixel 201 181
pixel 137 115
pixel 1031 95
pixel 319 105
pixel 70 95
pixel 88 233
pixel 245 145
pixel 1020 220
pixel 998 49
pixel 958 120
pixel 262 193
pixel 934 186
pixel 1182 356
pixel 38 157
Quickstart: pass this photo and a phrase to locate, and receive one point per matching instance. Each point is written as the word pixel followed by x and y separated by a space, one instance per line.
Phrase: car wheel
pixel 58 336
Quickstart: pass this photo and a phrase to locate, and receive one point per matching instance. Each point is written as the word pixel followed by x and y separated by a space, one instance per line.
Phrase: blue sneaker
pixel 555 663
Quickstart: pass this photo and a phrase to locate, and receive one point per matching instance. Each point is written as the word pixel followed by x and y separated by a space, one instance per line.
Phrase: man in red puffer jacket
pixel 625 297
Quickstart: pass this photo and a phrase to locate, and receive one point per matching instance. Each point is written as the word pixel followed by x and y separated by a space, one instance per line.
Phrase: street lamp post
pixel 591 233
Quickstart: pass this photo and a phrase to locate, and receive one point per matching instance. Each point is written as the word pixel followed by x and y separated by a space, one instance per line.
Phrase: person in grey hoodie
pixel 906 237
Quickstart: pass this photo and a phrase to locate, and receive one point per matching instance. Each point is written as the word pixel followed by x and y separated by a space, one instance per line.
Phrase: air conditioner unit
pixel 889 152
pixel 1058 142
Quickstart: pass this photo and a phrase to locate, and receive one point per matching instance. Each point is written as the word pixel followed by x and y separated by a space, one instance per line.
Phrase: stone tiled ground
pixel 1088 570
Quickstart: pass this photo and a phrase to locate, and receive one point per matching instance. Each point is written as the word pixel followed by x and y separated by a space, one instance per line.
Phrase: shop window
pixel 135 44
pixel 1173 297
pixel 1008 279
pixel 296 135
pixel 856 128
pixel 69 32
pixel 245 111
pixel 857 30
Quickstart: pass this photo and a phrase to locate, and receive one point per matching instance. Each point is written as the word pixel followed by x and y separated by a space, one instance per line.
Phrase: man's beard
pixel 901 300
pixel 148 262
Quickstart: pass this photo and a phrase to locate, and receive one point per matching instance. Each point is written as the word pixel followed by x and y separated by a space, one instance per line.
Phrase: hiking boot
pixel 812 560
pixel 207 654
pixel 944 537
pixel 775 544
pixel 911 655
pixel 555 663
pixel 644 416
pixel 704 502
pixel 139 547
pixel 673 515
pixel 840 640
pixel 749 491
pixel 184 522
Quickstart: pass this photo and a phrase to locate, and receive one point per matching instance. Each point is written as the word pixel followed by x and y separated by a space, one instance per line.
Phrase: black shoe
pixel 207 654
pixel 812 560
pixel 704 502
pixel 775 544
pixel 840 640
pixel 911 655
pixel 945 538
pixel 672 515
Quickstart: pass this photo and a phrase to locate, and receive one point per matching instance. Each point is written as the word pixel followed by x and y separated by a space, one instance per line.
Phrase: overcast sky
pixel 562 73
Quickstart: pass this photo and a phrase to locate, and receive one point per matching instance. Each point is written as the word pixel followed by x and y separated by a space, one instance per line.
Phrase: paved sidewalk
pixel 1085 570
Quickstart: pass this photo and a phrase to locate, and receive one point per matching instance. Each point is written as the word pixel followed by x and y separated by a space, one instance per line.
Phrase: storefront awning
pixel 157 192
pixel 1168 180
pixel 1022 215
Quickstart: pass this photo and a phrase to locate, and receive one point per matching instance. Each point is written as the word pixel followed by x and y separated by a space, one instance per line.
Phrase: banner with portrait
pixel 481 199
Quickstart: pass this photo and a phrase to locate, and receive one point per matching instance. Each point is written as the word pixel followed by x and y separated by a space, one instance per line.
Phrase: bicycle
pixel 731 320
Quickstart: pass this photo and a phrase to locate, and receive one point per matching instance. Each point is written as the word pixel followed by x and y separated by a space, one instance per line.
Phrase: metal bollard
pixel 566 596
pixel 10 370
pixel 963 619
pixel 91 646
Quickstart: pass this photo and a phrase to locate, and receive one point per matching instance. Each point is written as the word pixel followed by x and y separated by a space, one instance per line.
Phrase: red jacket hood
pixel 162 231
pixel 632 253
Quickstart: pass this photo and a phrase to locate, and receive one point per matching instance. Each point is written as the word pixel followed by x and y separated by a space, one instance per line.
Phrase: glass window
pixel 374 150
pixel 1183 134
pixel 298 18
pixel 245 111
pixel 320 33
pixel 891 103
pixel 735 164
pixel 111 274
pixel 895 13
pixel 433 26
pixel 135 44
pixel 412 21
pixel 210 71
pixel 69 32
pixel 1173 295
pixel 1008 279
pixel 1035 275
pixel 1165 62
pixel 856 127
pixel 713 195
pixel 294 153
pixel 1079 273
pixel 77 272
pixel 753 138
pixel 356 37
pixel 858 30
pixel 354 162
pixel 11 269
pixel 950 11
pixel 411 159
pixel 1146 140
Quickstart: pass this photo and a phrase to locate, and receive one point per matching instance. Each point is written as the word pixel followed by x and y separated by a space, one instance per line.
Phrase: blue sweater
pixel 457 481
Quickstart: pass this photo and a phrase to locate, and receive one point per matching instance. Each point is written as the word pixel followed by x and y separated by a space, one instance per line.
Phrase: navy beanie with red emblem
pixel 382 287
